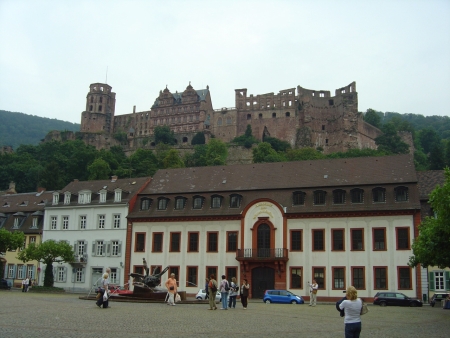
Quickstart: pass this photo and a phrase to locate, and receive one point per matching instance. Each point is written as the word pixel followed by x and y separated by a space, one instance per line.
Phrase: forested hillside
pixel 19 128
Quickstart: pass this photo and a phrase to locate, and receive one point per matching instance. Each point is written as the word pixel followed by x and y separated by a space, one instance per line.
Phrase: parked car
pixel 395 298
pixel 201 295
pixel 4 284
pixel 281 296
pixel 440 297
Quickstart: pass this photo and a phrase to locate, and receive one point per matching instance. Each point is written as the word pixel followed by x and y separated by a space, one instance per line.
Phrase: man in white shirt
pixel 313 292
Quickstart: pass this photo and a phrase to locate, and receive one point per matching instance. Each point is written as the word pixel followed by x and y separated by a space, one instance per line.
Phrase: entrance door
pixel 262 279
pixel 97 277
pixel 263 241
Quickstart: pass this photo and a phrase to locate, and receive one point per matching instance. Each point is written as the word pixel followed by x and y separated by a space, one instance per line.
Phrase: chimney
pixel 12 188
pixel 40 189
pixel 134 109
pixel 114 178
pixel 75 180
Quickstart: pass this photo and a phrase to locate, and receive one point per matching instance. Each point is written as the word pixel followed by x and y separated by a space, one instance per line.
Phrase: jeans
pixel 232 301
pixel 224 299
pixel 352 330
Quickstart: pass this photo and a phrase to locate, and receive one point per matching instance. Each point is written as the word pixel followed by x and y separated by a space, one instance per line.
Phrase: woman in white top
pixel 352 308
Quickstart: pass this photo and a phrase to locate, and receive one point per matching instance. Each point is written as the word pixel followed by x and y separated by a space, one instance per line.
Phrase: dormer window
pixel 198 202
pixel 319 197
pixel 216 201
pixel 19 217
pixel 162 203
pixel 180 203
pixel 235 201
pixel 35 223
pixel 118 195
pixel 401 194
pixel 145 203
pixel 298 198
pixel 102 196
pixel 379 195
pixel 55 198
pixel 67 197
pixel 84 197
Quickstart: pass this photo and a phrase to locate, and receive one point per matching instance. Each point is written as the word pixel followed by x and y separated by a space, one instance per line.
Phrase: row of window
pixel 339 196
pixel 197 202
pixel 379 242
pixel 84 197
pixel 20 271
pixel 100 247
pixel 60 274
pixel 64 224
pixel 357 278
pixel 357 241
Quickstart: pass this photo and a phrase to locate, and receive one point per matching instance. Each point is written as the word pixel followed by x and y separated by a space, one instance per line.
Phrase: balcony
pixel 80 259
pixel 266 255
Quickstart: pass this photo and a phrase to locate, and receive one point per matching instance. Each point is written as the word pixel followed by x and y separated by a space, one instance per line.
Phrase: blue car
pixel 281 296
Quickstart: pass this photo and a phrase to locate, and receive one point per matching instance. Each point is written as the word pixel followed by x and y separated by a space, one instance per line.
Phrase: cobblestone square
pixel 33 315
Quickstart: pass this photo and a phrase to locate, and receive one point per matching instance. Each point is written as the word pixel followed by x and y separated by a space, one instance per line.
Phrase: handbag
pixel 177 298
pixel 364 308
pixel 314 291
pixel 171 288
pixel 105 296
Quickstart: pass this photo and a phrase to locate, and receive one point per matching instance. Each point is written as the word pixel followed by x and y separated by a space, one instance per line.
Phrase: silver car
pixel 201 295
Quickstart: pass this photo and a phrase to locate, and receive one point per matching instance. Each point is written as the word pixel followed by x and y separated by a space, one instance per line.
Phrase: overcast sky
pixel 398 52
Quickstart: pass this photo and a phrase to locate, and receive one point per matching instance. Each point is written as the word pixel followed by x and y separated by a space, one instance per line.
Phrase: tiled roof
pixel 280 175
pixel 428 180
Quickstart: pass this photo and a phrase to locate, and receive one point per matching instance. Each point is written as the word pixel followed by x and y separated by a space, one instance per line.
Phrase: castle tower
pixel 100 106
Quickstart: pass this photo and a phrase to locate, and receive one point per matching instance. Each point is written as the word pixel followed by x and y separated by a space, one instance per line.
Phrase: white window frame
pixel 67 197
pixel 83 222
pixel 16 222
pixel 11 270
pixel 115 248
pixel 20 271
pixel 100 248
pixel 118 195
pixel 102 196
pixel 101 221
pixel 55 198
pixel 114 276
pixel 81 248
pixel 61 274
pixel 54 223
pixel 439 281
pixel 79 275
pixel 30 271
pixel 35 223
pixel 65 223
pixel 116 224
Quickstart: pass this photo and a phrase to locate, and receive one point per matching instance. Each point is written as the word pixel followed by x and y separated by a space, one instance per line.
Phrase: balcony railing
pixel 80 259
pixel 262 254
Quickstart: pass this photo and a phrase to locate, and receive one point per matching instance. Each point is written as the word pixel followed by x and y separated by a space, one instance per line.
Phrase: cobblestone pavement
pixel 34 315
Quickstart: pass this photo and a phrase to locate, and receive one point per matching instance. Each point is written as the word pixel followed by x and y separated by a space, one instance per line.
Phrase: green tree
pixel 277 145
pixel 143 163
pixel 264 153
pixel 390 142
pixel 99 170
pixel 48 252
pixel 163 134
pixel 437 160
pixel 431 247
pixel 447 153
pixel 303 154
pixel 373 117
pixel 10 241
pixel 216 152
pixel 198 138
pixel 197 158
pixel 173 160
pixel 246 140
pixel 428 139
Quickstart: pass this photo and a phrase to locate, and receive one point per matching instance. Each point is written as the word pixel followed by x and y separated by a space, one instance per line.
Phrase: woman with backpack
pixel 212 287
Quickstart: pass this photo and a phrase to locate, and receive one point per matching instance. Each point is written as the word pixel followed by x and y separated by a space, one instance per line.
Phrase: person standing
pixel 224 288
pixel 206 288
pixel 104 292
pixel 23 285
pixel 212 288
pixel 352 307
pixel 313 292
pixel 171 285
pixel 233 293
pixel 27 283
pixel 244 293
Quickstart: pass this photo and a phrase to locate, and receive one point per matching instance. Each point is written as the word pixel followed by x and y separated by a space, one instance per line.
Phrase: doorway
pixel 263 278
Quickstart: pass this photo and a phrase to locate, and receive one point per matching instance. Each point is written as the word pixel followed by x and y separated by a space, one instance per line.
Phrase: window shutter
pixel 431 281
pixel 118 276
pixel 119 251
pixel 5 272
pixel 93 248
pixel 108 249
pixel 65 274
pixel 82 275
pixel 75 247
pixel 24 271
pixel 447 280
pixel 14 270
pixel 33 272
pixel 55 271
pixel 73 274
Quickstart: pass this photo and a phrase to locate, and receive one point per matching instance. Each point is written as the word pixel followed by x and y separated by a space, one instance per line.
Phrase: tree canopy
pixel 431 247
pixel 48 252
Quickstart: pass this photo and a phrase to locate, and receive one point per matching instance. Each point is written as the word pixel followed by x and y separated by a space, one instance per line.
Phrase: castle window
pixel 323 127
pixel 90 107
pixel 274 114
pixel 179 119
pixel 228 120
pixel 298 198
pixel 331 102
pixel 190 118
pixel 219 122
pixel 342 91
pixel 260 116
pixel 290 103
pixel 288 114
pixel 326 141
pixel 101 100
pixel 92 99
pixel 321 95
pixel 249 116
pixel 284 104
pixel 312 94
pixel 379 195
pixel 99 108
pixel 248 104
pixel 401 194
pixel 185 139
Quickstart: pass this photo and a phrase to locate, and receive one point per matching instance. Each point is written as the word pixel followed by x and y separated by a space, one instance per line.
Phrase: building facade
pixel 279 225
pixel 91 216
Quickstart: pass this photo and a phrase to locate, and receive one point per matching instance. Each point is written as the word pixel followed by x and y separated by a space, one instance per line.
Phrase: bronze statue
pixel 151 281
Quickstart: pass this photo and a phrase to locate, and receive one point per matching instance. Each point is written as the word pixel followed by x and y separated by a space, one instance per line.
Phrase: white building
pixel 279 225
pixel 91 215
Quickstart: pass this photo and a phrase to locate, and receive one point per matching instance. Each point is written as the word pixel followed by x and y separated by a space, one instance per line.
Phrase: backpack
pixel 227 287
pixel 213 287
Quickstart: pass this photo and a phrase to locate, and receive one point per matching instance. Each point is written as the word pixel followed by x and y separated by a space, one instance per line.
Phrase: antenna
pixel 106 80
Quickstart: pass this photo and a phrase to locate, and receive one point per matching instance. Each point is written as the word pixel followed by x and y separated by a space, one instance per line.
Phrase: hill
pixel 19 128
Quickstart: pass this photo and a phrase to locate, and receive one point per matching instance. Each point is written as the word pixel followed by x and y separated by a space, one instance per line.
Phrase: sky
pixel 397 51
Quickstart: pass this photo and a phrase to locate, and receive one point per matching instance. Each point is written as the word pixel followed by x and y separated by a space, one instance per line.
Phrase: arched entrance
pixel 263 278
pixel 263 240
